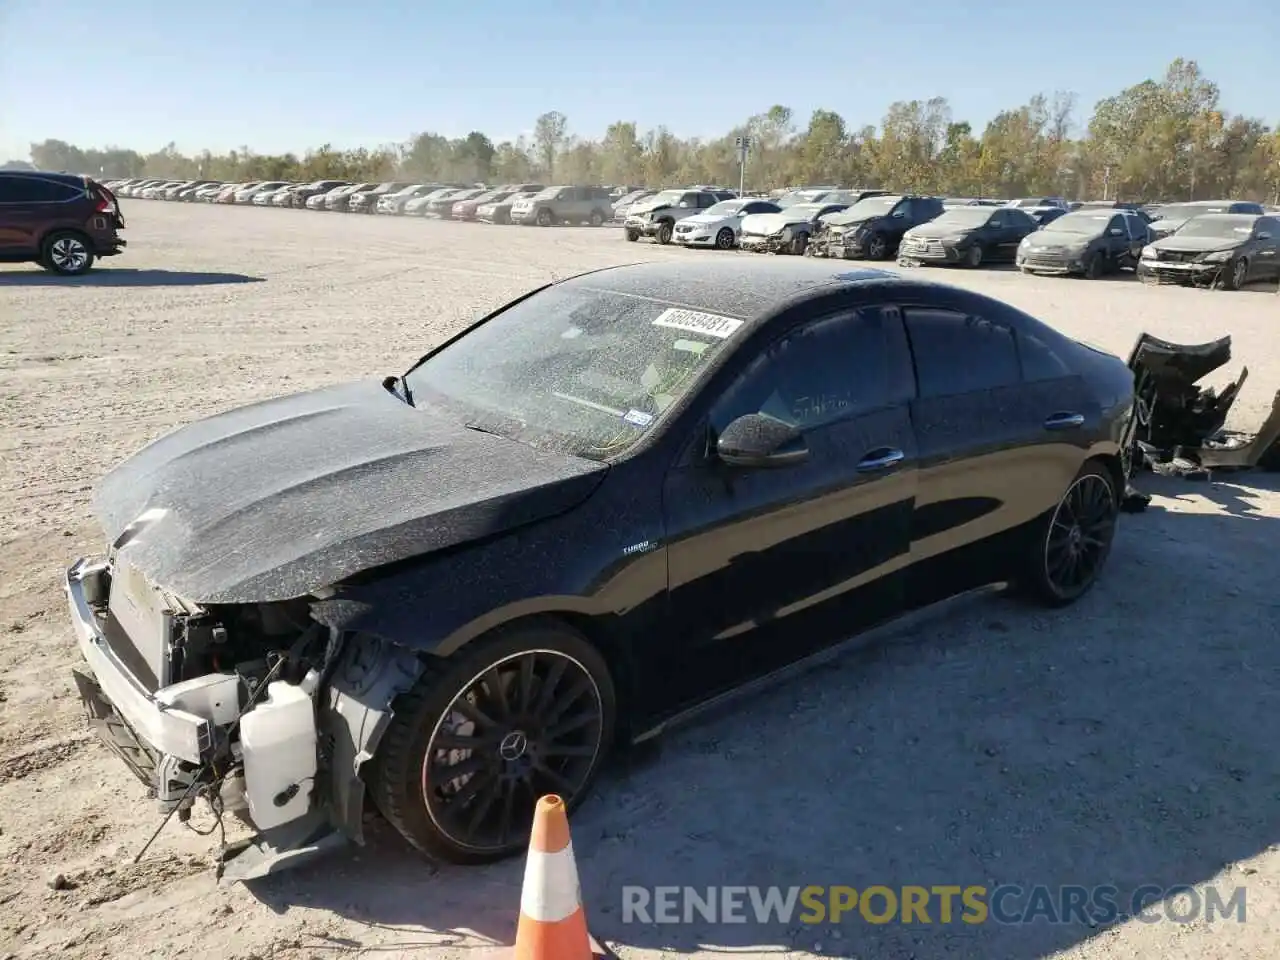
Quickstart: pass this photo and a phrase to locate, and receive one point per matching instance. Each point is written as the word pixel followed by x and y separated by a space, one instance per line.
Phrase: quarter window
pixel 827 371
pixel 956 353
pixel 1039 362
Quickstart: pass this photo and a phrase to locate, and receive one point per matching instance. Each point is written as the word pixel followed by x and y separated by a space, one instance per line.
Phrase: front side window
pixel 574 368
pixel 828 370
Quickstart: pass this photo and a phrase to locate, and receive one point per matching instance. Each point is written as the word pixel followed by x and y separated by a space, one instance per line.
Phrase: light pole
pixel 744 148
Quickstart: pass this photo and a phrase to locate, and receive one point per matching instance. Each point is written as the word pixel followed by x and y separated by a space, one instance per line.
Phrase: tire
pixel 1091 507
pixel 799 244
pixel 1093 266
pixel 725 239
pixel 66 253
pixel 973 259
pixel 597 219
pixel 663 236
pixel 1236 274
pixel 544 218
pixel 632 235
pixel 878 247
pixel 525 660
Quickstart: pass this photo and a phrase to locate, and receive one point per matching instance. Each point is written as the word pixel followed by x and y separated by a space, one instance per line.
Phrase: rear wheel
pixel 1071 548
pixel 485 733
pixel 66 253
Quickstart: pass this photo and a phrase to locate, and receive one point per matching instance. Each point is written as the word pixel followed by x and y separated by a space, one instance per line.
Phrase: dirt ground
pixel 1128 741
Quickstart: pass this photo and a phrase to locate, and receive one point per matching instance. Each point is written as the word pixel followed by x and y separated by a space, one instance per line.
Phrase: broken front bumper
pixel 153 724
pixel 1179 272
pixel 757 244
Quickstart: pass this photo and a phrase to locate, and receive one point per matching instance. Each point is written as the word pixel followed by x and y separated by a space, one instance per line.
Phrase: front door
pixel 769 564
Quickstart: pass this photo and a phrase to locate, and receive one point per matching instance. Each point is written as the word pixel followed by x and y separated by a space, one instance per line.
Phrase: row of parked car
pixel 520 203
pixel 1224 243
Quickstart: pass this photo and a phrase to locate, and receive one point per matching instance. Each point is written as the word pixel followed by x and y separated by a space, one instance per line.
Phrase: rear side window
pixel 956 353
pixel 35 190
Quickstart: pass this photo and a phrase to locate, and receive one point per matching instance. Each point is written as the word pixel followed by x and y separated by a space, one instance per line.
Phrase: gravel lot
pixel 1130 740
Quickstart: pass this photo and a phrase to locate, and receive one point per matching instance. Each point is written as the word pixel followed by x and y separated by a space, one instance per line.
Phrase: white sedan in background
pixel 721 225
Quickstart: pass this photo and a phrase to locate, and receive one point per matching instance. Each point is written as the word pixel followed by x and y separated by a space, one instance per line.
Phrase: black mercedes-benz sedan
pixel 595 510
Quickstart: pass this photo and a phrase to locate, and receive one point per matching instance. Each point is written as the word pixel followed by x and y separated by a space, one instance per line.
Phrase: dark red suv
pixel 61 221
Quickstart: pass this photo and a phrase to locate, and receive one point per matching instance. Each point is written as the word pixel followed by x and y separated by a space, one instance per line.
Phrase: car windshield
pixel 575 368
pixel 666 197
pixel 1184 211
pixel 805 210
pixel 871 207
pixel 725 208
pixel 550 193
pixel 1223 227
pixel 408 191
pixel 962 217
pixel 1081 222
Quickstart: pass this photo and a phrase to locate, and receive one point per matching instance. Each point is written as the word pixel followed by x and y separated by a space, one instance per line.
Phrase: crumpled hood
pixel 1197 244
pixel 646 206
pixel 280 498
pixel 844 221
pixel 765 224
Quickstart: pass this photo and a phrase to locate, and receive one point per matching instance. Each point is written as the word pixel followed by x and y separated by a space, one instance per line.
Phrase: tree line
pixel 1166 139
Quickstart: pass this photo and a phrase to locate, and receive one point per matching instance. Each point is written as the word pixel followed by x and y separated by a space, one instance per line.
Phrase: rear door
pixel 1266 245
pixel 768 565
pixel 19 216
pixel 34 207
pixel 1000 424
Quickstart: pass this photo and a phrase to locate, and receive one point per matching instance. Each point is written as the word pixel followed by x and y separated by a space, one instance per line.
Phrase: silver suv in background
pixel 564 204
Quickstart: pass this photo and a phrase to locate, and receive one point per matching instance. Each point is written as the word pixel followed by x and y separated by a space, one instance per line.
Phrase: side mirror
pixel 899 214
pixel 1264 236
pixel 1116 232
pixel 683 205
pixel 757 440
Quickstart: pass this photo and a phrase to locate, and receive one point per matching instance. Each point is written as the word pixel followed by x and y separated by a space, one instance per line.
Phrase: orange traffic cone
pixel 553 924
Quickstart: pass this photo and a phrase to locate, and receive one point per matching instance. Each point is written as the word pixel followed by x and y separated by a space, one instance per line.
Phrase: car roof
pixel 746 288
pixel 74 179
pixel 1241 218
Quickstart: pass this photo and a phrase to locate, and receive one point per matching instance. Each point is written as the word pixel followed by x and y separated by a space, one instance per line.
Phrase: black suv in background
pixel 62 221
pixel 873 228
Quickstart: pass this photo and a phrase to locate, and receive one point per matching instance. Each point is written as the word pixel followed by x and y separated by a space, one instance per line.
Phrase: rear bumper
pixel 165 729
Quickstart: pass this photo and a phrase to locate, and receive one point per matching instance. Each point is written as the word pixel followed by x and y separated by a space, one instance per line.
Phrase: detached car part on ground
pixel 1179 425
pixel 1226 250
pixel 457 589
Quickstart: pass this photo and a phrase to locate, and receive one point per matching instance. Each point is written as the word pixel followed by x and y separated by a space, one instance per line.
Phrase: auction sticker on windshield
pixel 712 324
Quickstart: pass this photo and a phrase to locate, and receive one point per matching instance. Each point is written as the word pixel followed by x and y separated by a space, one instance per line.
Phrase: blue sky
pixel 287 74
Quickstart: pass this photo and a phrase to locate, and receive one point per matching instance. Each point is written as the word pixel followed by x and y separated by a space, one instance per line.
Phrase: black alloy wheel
pixel 1236 274
pixel 877 247
pixel 468 755
pixel 1079 537
pixel 1093 266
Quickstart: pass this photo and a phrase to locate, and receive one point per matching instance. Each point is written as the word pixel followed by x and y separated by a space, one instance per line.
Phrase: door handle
pixel 1064 421
pixel 880 459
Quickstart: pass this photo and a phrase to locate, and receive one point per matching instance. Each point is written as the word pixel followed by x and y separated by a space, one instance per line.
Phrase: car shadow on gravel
pixel 1128 741
pixel 124 278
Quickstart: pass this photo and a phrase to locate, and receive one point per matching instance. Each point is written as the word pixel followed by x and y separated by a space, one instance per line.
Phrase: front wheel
pixel 632 235
pixel 725 239
pixel 545 219
pixel 800 244
pixel 974 257
pixel 1235 275
pixel 1071 548
pixel 878 248
pixel 1093 266
pixel 663 235
pixel 485 733
pixel 67 254
pixel 597 218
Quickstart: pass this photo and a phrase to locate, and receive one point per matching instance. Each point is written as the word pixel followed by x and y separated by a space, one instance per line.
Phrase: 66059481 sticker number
pixel 710 324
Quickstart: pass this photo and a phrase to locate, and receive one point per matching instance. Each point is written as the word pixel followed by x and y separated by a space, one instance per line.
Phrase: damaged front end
pixel 257 710
pixel 1180 428
pixel 834 243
